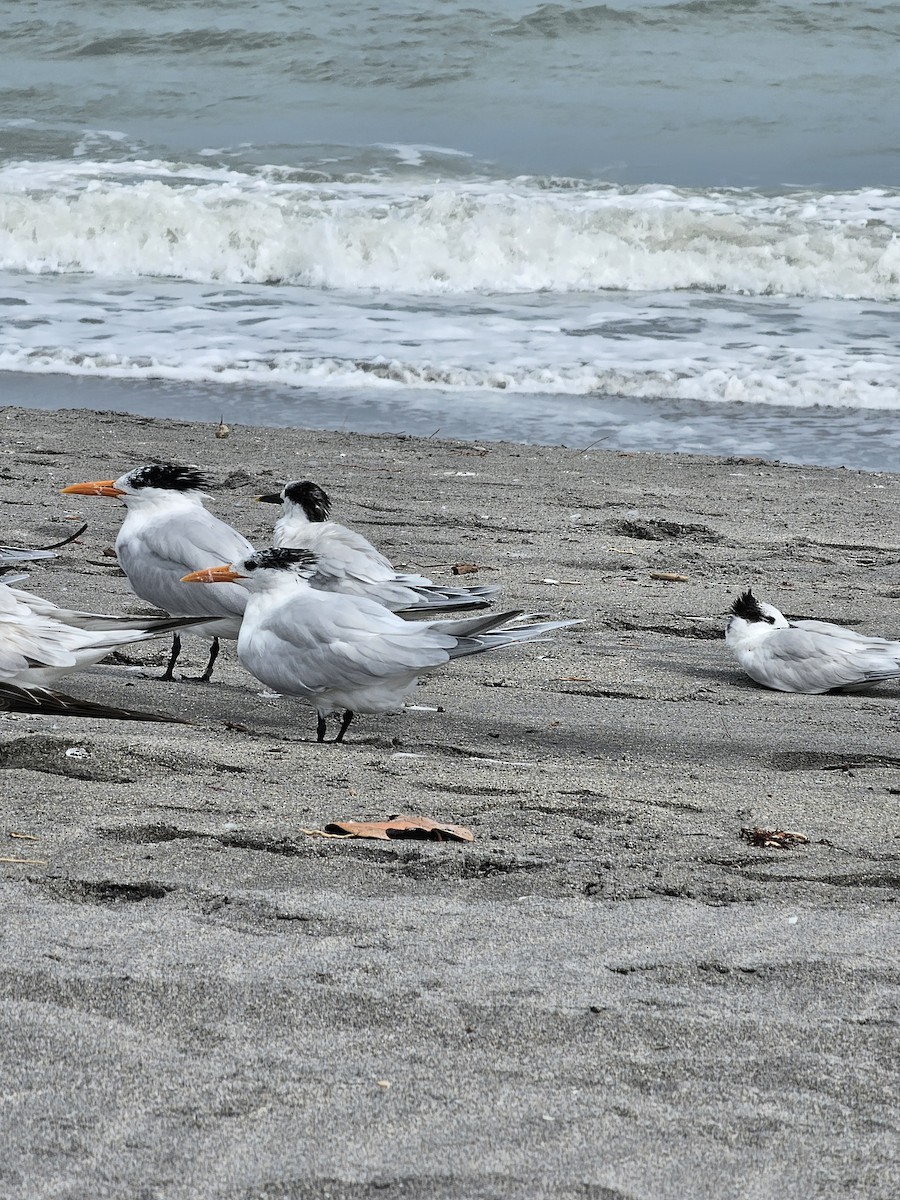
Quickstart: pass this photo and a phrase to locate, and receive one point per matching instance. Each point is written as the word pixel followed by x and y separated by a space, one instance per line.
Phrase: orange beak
pixel 100 487
pixel 212 575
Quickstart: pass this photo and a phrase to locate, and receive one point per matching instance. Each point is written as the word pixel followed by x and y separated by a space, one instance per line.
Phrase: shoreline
pixel 609 993
pixel 857 439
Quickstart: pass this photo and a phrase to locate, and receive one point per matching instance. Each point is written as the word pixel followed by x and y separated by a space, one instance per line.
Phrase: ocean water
pixel 643 224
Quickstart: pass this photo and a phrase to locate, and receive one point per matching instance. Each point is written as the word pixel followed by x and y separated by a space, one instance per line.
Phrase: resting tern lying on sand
pixel 166 533
pixel 344 652
pixel 348 563
pixel 805 656
pixel 40 641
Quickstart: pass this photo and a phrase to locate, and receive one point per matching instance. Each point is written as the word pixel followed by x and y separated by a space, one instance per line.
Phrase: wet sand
pixel 608 995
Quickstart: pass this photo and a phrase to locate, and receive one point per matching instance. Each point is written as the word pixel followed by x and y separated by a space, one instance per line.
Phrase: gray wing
pixel 10 554
pixel 333 642
pixel 810 661
pixel 34 646
pixel 345 557
pixel 348 563
pixel 24 640
pixel 155 557
pixel 137 626
pixel 850 635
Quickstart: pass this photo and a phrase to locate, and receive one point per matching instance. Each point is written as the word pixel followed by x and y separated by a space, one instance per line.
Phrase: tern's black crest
pixel 746 606
pixel 282 558
pixel 171 476
pixel 311 498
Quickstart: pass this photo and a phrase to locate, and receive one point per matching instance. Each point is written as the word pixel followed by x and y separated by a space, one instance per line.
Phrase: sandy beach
pixel 608 995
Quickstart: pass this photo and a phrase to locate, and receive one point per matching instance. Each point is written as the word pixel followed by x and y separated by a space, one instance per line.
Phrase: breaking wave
pixel 507 237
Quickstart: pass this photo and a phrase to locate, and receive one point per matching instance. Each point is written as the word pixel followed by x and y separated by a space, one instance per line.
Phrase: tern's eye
pixel 250 566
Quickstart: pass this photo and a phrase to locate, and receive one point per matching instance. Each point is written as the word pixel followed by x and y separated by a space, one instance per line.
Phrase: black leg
pixel 320 728
pixel 173 657
pixel 213 655
pixel 345 725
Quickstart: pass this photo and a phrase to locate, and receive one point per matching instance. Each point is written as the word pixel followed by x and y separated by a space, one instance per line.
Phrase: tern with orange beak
pixel 166 533
pixel 349 563
pixel 345 653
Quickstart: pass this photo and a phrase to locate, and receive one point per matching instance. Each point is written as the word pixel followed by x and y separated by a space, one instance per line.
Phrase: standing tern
pixel 805 656
pixel 349 563
pixel 344 652
pixel 167 532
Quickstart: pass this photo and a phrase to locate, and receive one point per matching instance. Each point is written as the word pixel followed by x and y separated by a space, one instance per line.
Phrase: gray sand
pixel 609 995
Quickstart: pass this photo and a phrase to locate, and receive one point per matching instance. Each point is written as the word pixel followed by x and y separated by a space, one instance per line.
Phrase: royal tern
pixel 342 652
pixel 166 533
pixel 805 656
pixel 40 641
pixel 349 563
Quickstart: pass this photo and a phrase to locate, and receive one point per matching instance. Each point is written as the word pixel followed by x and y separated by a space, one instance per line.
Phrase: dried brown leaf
pixel 400 826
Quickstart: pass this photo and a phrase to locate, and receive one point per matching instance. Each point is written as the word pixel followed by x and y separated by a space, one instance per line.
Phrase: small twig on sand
pixel 596 442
